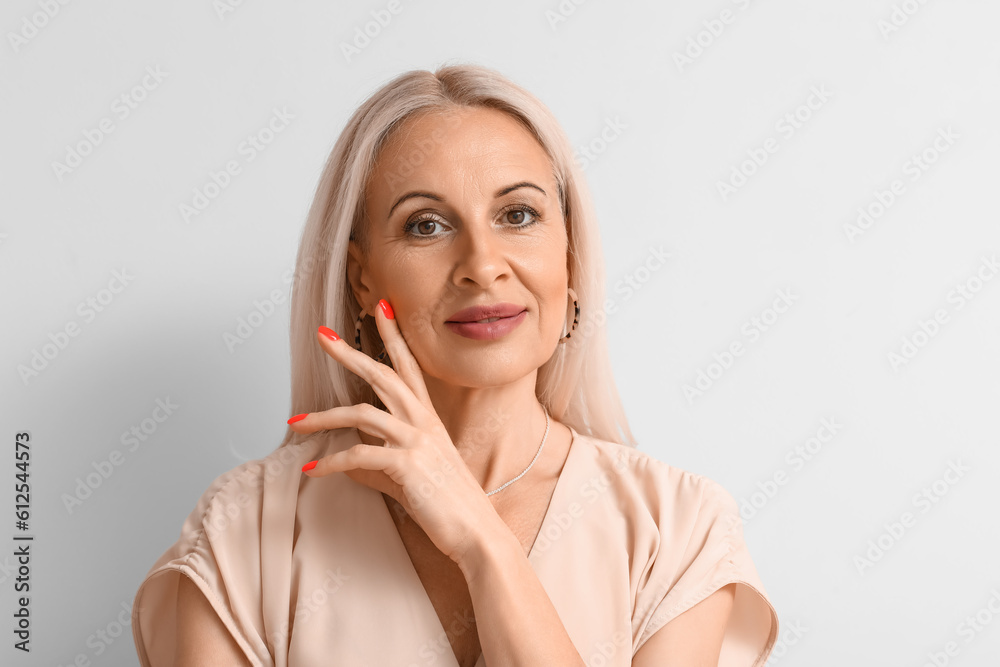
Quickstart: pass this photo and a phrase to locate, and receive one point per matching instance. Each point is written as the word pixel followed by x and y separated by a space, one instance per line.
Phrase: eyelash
pixel 535 219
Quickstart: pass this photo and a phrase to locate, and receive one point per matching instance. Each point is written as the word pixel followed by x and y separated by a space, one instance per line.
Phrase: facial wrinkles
pixel 473 175
pixel 429 277
pixel 467 173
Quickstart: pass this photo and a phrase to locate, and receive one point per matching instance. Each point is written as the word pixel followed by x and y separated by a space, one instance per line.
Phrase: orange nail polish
pixel 329 333
pixel 309 466
pixel 297 418
pixel 386 308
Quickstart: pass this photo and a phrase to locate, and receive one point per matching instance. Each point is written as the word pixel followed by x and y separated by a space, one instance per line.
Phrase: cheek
pixel 408 279
pixel 558 304
pixel 416 296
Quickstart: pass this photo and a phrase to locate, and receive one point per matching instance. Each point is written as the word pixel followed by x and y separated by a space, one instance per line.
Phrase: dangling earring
pixel 576 315
pixel 357 336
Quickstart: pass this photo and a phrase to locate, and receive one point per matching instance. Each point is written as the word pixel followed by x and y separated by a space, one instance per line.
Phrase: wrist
pixel 490 544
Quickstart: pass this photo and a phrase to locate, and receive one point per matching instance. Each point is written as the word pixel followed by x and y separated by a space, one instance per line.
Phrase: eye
pixel 422 222
pixel 516 215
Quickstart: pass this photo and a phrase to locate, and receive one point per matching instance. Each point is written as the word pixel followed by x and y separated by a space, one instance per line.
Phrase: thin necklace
pixel 544 437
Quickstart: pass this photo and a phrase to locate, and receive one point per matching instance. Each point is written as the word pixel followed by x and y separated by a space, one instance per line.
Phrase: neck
pixel 496 430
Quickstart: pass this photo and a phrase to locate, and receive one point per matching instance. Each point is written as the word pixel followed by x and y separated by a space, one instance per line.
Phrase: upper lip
pixel 476 313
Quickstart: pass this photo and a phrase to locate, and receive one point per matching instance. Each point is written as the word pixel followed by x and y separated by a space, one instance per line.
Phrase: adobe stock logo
pixel 882 200
pixel 136 436
pixel 797 457
pixel 248 150
pixel 381 18
pixel 968 629
pixel 590 151
pixel 928 329
pixel 787 126
pixel 121 108
pixel 712 30
pixel 751 330
pixel 901 14
pixel 88 310
pixel 33 24
pixel 924 500
pixel 562 13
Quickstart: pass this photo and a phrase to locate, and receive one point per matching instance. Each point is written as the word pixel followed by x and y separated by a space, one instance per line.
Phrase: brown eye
pixel 421 228
pixel 422 225
pixel 521 216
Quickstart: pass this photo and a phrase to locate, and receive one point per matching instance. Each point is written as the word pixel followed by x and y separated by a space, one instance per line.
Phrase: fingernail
pixel 329 333
pixel 298 418
pixel 386 308
pixel 309 466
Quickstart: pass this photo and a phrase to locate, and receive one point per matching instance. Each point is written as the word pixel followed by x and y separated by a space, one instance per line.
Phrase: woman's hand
pixel 418 465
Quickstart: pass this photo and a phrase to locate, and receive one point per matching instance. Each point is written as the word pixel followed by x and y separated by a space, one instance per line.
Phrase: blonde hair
pixel 576 384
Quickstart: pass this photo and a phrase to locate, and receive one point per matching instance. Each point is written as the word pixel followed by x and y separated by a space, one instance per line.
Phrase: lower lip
pixel 487 330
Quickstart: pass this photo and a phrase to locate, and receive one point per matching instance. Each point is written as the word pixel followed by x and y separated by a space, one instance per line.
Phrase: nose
pixel 480 253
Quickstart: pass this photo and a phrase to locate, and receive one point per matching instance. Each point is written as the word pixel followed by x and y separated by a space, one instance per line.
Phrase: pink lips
pixel 465 322
pixel 487 330
pixel 475 313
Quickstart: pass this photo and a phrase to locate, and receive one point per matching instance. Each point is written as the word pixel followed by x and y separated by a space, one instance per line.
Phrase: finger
pixel 363 416
pixel 403 361
pixel 388 386
pixel 360 456
pixel 378 480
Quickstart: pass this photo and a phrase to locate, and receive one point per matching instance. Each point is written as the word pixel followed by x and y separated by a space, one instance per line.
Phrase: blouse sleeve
pixel 217 550
pixel 699 550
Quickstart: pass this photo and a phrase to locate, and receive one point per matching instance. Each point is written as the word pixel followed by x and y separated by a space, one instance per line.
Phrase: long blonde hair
pixel 576 384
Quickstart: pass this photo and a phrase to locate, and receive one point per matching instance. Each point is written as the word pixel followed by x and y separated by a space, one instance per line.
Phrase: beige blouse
pixel 306 571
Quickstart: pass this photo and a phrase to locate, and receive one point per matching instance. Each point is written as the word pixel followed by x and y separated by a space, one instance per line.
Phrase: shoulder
pixel 244 503
pixel 664 517
pixel 643 483
pixel 232 546
pixel 684 537
pixel 238 496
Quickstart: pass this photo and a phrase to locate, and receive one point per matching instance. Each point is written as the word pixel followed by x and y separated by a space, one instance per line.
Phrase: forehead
pixel 429 148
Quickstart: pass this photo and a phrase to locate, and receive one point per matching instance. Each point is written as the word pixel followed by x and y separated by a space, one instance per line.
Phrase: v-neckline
pixel 400 548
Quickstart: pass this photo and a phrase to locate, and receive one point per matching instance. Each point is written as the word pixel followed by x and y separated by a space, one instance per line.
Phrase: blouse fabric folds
pixel 311 571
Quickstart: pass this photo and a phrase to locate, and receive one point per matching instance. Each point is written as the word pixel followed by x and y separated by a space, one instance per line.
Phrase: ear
pixel 358 275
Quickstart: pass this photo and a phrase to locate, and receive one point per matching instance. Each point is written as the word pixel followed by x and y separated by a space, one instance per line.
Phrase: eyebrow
pixel 499 193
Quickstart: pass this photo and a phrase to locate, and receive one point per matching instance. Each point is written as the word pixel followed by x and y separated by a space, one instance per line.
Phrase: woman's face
pixel 463 211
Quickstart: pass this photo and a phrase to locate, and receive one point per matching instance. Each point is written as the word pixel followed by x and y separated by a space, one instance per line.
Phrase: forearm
pixel 517 623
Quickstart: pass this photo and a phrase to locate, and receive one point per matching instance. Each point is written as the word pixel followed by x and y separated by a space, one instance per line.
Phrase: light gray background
pixel 682 128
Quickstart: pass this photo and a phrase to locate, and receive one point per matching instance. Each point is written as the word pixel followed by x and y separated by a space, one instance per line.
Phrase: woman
pixel 454 490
